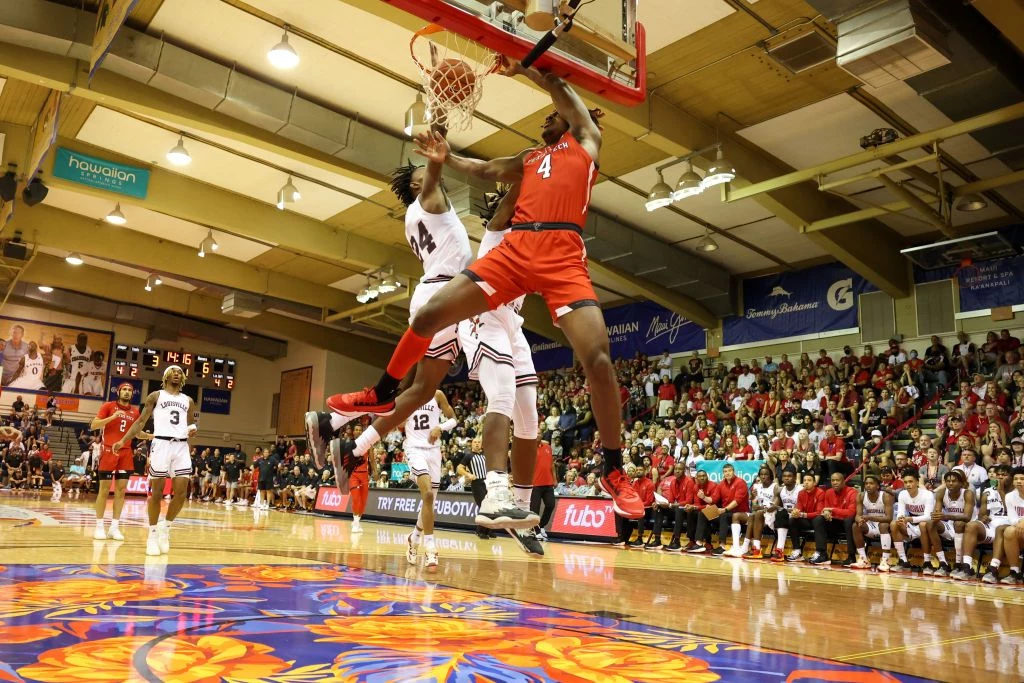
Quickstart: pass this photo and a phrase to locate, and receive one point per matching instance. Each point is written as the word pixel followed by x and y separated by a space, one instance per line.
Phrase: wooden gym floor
pixel 289 598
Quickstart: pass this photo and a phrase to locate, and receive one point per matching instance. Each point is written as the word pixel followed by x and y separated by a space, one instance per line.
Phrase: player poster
pixel 44 357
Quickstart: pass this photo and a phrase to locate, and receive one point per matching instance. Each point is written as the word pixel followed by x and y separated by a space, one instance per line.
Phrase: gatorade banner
pixel 745 469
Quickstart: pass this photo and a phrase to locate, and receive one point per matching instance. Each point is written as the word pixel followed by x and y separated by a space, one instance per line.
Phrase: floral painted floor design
pixel 298 624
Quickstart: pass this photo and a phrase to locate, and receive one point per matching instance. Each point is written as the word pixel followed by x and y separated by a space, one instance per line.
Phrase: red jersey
pixel 542 474
pixel 556 184
pixel 645 489
pixel 115 430
pixel 684 491
pixel 735 490
pixel 843 505
pixel 810 502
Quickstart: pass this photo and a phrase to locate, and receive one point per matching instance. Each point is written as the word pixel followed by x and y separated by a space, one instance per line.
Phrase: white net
pixel 452 69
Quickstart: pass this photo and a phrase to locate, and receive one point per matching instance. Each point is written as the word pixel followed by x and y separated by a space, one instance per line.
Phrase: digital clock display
pixel 150 363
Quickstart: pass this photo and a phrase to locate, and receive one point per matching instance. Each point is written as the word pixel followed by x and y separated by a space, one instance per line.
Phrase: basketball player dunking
pixel 115 418
pixel 169 456
pixel 544 252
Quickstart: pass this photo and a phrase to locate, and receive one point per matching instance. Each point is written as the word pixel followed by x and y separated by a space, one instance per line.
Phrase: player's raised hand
pixel 433 146
pixel 435 434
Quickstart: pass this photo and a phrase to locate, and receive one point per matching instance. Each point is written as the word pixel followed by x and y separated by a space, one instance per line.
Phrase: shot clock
pixel 201 369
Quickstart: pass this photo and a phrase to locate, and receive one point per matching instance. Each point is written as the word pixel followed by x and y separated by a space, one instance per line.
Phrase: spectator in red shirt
pixel 735 497
pixel 705 494
pixel 808 506
pixel 838 511
pixel 664 504
pixel 666 396
pixel 1006 342
pixel 847 363
pixel 825 361
pixel 785 366
pixel 644 488
pixel 683 501
pixel 544 478
pixel 833 453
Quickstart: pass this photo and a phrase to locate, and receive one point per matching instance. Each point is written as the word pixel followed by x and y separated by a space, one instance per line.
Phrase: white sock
pixel 356 518
pixel 416 536
pixel 942 556
pixel 901 551
pixel 153 528
pixel 862 553
pixel 522 495
pixel 757 544
pixel 928 559
pixel 958 547
pixel 994 564
pixel 428 540
pixel 746 544
pixel 113 524
pixel 496 479
pixel 366 440
pixel 99 521
pixel 782 533
pixel 886 544
pixel 339 421
pixel 735 534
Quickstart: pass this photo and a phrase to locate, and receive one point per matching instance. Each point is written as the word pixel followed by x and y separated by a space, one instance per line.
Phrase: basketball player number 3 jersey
pixel 556 186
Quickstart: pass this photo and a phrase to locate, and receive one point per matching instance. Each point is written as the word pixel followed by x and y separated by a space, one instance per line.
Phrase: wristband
pixel 449 424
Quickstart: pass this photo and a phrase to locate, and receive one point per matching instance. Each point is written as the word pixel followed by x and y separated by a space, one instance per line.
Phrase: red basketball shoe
pixel 360 403
pixel 625 501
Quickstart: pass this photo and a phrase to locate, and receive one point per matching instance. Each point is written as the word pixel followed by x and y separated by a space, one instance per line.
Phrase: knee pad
pixel 524 415
pixel 499 383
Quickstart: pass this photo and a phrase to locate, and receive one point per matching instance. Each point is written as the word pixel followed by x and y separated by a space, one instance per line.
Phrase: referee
pixel 473 466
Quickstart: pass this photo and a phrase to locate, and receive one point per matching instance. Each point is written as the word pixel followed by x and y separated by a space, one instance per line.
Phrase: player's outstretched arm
pixel 147 412
pixel 506 208
pixel 432 197
pixel 569 105
pixel 434 148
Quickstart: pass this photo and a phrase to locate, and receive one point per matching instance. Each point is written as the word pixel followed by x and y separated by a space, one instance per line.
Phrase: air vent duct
pixel 804 52
pixel 242 304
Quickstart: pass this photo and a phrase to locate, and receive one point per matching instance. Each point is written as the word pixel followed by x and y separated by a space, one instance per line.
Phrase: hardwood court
pixel 283 597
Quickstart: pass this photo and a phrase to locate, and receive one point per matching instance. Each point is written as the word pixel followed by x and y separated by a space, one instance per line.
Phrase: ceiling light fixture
pixel 707 243
pixel 211 241
pixel 245 333
pixel 157 280
pixel 149 284
pixel 35 192
pixel 690 183
pixel 416 116
pixel 288 194
pixel 389 283
pixel 74 258
pixel 661 194
pixel 45 289
pixel 368 293
pixel 971 202
pixel 721 171
pixel 283 55
pixel 202 249
pixel 178 155
pixel 115 217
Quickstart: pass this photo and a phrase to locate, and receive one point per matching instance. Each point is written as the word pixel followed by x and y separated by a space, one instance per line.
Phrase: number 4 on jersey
pixel 545 167
pixel 426 242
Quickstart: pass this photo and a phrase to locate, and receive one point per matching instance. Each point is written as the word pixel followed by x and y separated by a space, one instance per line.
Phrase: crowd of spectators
pixel 26 461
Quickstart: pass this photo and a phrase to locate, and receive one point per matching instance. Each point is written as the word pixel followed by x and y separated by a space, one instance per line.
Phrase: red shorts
pixel 551 262
pixel 112 462
pixel 359 489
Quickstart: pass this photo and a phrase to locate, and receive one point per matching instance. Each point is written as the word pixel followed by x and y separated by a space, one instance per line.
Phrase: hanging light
pixel 45 289
pixel 690 183
pixel 115 217
pixel 288 194
pixel 211 241
pixel 157 280
pixel 245 333
pixel 661 194
pixel 721 171
pixel 971 202
pixel 202 249
pixel 283 55
pixel 178 155
pixel 74 258
pixel 416 116
pixel 368 293
pixel 149 284
pixel 708 243
pixel 389 283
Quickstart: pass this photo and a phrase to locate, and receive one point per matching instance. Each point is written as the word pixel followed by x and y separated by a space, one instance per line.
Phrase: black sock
pixel 612 460
pixel 387 386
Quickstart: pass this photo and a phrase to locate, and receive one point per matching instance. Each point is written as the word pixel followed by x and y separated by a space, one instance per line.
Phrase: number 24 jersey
pixel 439 240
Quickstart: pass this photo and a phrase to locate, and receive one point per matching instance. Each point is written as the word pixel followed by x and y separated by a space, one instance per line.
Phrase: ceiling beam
pixel 119 92
pixel 686 306
pixel 106 284
pixel 60 229
pixel 191 200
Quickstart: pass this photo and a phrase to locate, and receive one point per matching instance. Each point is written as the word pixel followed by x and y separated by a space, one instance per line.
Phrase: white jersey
pixel 919 507
pixel 170 417
pixel 439 241
pixel 996 506
pixel 788 497
pixel 93 383
pixel 31 376
pixel 1014 506
pixel 420 423
pixel 764 496
pixel 75 370
pixel 953 507
pixel 872 508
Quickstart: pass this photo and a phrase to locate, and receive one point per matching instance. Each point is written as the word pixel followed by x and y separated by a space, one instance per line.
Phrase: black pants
pixel 659 519
pixel 724 522
pixel 799 529
pixel 479 489
pixel 825 529
pixel 625 526
pixel 703 526
pixel 543 495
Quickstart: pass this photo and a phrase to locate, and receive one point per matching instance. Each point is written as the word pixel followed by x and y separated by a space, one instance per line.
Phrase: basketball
pixel 452 81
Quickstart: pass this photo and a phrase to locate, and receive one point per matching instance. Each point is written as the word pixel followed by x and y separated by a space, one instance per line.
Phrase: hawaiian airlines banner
pixel 547 354
pixel 650 329
pixel 805 302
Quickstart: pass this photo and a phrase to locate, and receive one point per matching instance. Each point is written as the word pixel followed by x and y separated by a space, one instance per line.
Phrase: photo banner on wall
pixel 794 304
pixel 989 284
pixel 43 357
pixel 650 329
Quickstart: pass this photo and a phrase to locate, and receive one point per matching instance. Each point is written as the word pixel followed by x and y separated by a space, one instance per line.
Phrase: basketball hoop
pixel 452 69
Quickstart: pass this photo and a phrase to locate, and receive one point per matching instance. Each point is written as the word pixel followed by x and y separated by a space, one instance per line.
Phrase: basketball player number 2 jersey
pixel 557 180
pixel 420 424
pixel 439 241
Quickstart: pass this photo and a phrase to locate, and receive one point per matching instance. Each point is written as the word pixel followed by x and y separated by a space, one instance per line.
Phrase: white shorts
pixel 169 459
pixel 425 461
pixel 873 530
pixel 445 344
pixel 489 335
pixel 947 531
pixel 27 381
pixel 990 528
pixel 913 530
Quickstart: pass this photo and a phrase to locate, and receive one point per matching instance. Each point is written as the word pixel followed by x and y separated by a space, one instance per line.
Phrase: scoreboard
pixel 201 369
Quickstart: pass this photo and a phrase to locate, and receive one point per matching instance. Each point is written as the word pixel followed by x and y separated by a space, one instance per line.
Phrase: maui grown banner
pixel 806 302
pixel 650 329
pixel 547 354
